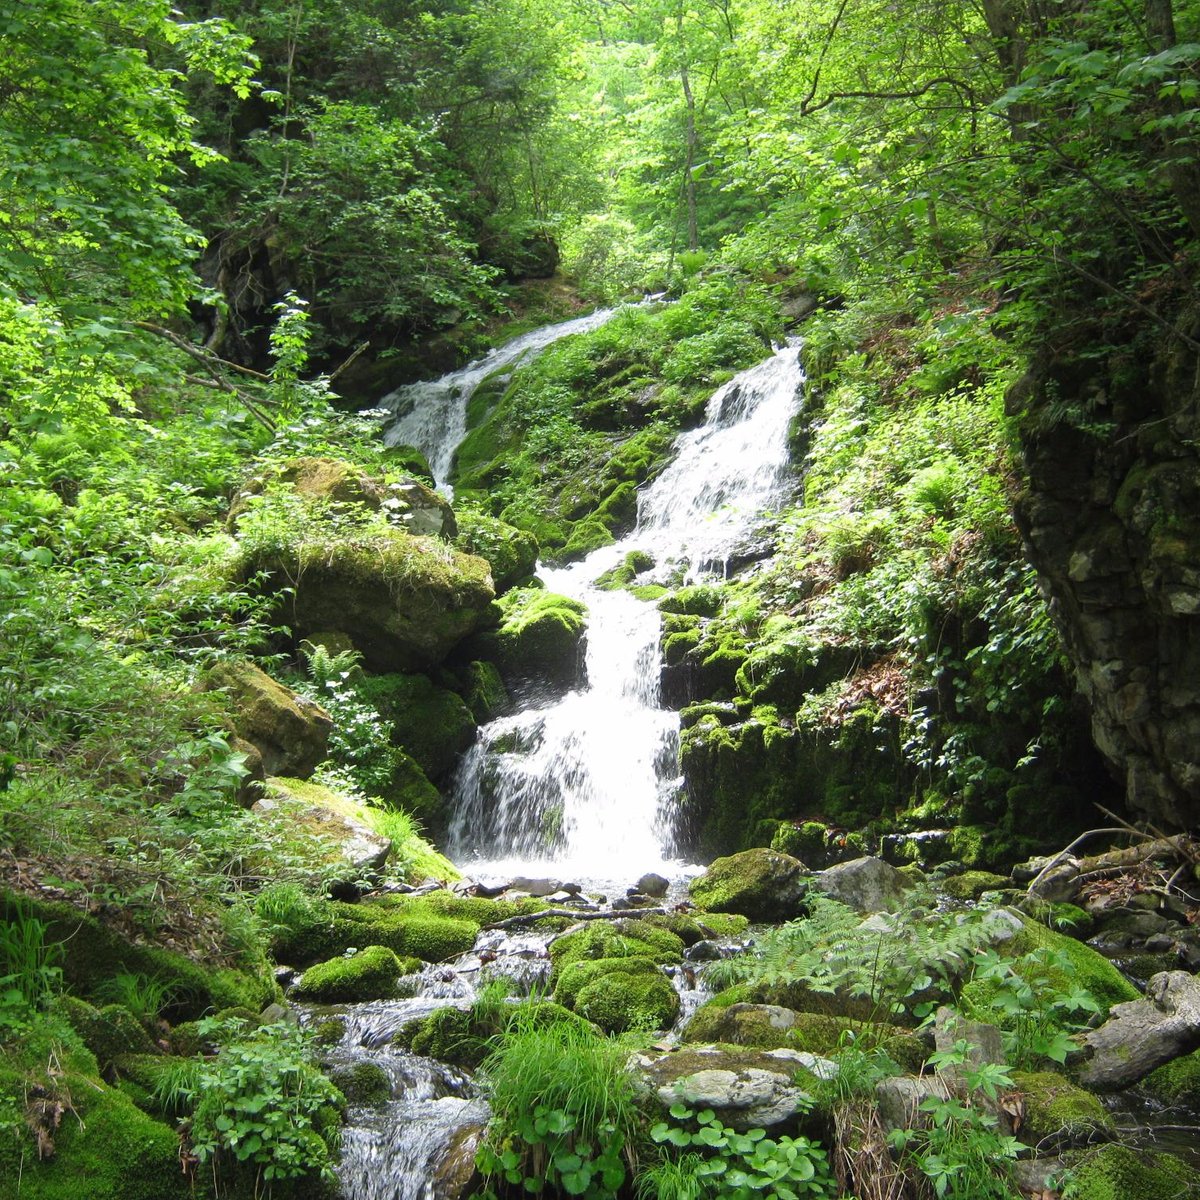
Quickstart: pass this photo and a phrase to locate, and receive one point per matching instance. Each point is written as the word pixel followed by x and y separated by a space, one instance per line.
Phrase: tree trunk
pixel 689 179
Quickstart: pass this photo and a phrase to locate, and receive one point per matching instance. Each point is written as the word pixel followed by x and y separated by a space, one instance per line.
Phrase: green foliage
pixel 29 972
pixel 143 995
pixel 727 1163
pixel 261 1104
pixel 564 1112
pixel 961 1152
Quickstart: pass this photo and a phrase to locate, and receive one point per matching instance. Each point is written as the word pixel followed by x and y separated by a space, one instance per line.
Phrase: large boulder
pixel 761 884
pixel 540 638
pixel 432 724
pixel 1141 1035
pixel 746 1088
pixel 290 732
pixel 405 602
pixel 369 974
pixel 868 885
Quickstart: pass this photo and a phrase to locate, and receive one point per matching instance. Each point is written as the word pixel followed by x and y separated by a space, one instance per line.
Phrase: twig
pixel 1058 858
pixel 530 918
pixel 361 349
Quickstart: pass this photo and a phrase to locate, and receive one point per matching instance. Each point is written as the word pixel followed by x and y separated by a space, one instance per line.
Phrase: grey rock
pixel 705 950
pixel 899 1100
pixel 653 885
pixel 535 887
pixel 867 884
pixel 1141 1035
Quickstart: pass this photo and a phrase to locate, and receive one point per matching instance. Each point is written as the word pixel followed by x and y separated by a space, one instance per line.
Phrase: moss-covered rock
pixel 404 601
pixel 629 568
pixel 370 974
pixel 109 1032
pixel 1176 1081
pixel 106 1149
pixel 485 692
pixel 1091 970
pixel 96 952
pixel 1058 1114
pixel 610 939
pixel 577 975
pixel 1117 1172
pixel 430 723
pixel 540 637
pixel 618 1002
pixel 289 731
pixel 465 1037
pixel 512 553
pixel 761 884
pixel 363 1083
pixel 702 600
pixel 970 885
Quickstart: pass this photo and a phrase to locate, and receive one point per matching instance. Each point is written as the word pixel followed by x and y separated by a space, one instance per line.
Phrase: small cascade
pixel 590 782
pixel 433 415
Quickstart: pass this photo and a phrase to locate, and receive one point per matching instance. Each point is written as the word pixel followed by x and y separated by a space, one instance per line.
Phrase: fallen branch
pixel 575 914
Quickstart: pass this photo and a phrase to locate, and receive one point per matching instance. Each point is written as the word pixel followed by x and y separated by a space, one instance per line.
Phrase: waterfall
pixel 433 415
pixel 589 783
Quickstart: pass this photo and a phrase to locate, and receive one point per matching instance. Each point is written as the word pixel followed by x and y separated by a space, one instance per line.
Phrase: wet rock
pixel 535 887
pixel 705 950
pixel 1141 1035
pixel 868 885
pixel 455 1174
pixel 654 885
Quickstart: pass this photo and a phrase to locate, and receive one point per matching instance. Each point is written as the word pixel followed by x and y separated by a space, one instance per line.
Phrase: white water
pixel 433 415
pixel 587 786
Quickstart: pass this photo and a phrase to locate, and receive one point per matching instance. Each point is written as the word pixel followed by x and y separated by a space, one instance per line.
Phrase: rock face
pixel 1141 1035
pixel 746 1088
pixel 540 638
pixel 1112 524
pixel 763 885
pixel 868 885
pixel 290 732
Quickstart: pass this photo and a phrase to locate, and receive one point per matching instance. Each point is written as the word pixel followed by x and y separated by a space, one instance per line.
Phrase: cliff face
pixel 1111 517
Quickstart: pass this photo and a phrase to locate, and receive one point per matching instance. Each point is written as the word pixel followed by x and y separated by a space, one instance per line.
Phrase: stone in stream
pixel 1141 1035
pixel 868 885
pixel 652 884
pixel 761 884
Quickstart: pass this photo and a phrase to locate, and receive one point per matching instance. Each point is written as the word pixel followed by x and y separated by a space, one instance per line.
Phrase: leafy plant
pixel 563 1110
pixel 144 995
pixel 961 1152
pixel 739 1166
pixel 30 974
pixel 262 1105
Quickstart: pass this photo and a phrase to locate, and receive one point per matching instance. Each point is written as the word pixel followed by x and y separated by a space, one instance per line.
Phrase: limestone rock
pixel 1141 1035
pixel 866 884
pixel 761 884
pixel 290 732
pixel 746 1088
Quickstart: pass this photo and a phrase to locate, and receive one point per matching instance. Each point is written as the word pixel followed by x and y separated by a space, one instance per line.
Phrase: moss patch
pixel 1091 970
pixel 608 940
pixel 619 1002
pixel 1116 1172
pixel 1059 1113
pixel 370 974
pixel 1178 1080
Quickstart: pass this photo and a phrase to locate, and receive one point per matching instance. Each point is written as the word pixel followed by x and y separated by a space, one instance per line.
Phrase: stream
pixel 584 788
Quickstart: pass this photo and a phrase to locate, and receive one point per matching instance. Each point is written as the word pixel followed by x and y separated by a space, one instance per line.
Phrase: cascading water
pixel 433 415
pixel 588 782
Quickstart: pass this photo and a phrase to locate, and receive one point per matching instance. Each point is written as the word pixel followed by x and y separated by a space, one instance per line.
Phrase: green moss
pixel 970 885
pixel 108 1032
pixel 445 903
pixel 620 1002
pixel 585 537
pixel 370 974
pixel 96 952
pixel 539 636
pixel 512 553
pixel 1117 1172
pixel 760 884
pixel 703 600
pixel 363 1083
pixel 485 692
pixel 329 1032
pixel 428 722
pixel 105 1149
pixel 1091 970
pixel 606 939
pixel 465 1037
pixel 622 575
pixel 575 976
pixel 1178 1080
pixel 1057 1112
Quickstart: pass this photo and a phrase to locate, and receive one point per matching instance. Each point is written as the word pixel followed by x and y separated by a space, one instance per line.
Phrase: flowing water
pixel 588 784
pixel 433 415
pixel 583 786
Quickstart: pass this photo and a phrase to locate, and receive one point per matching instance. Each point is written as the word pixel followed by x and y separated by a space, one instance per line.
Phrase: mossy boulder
pixel 484 691
pixel 577 975
pixel 108 1032
pixel 760 884
pixel 618 1002
pixel 96 952
pixel 289 731
pixel 512 553
pixel 1118 1172
pixel 404 601
pixel 370 974
pixel 105 1148
pixel 784 671
pixel 430 723
pixel 702 600
pixel 540 638
pixel 1058 1113
pixel 611 940
pixel 1091 970
pixel 363 1083
pixel 970 885
pixel 1178 1080
pixel 323 480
